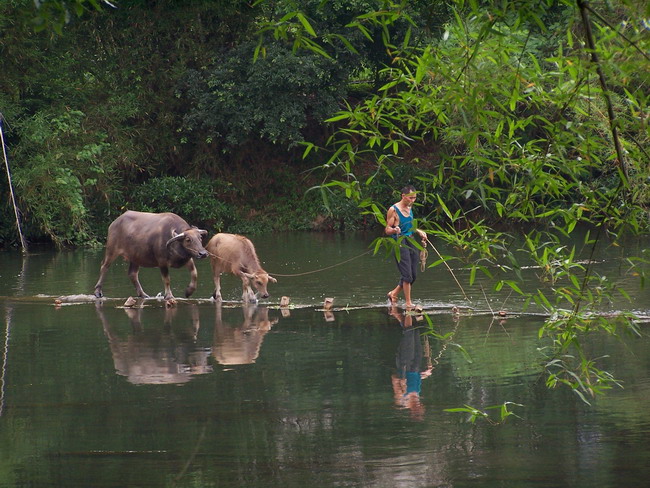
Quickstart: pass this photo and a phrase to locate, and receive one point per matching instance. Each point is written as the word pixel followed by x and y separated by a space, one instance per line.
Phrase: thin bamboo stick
pixel 23 243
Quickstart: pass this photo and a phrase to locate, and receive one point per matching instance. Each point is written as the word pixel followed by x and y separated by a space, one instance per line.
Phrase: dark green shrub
pixel 195 200
pixel 276 98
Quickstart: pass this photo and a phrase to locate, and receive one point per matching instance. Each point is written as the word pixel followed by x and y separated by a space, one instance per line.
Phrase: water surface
pixel 201 394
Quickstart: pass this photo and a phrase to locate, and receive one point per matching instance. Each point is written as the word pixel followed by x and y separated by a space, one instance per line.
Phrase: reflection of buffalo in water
pixel 157 355
pixel 240 344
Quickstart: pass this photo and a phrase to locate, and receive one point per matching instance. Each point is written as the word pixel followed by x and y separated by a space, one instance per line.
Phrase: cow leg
pixel 216 276
pixel 191 288
pixel 106 263
pixel 217 285
pixel 164 272
pixel 133 275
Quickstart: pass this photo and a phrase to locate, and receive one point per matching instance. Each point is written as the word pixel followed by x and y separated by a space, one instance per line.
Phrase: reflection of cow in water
pixel 157 355
pixel 240 344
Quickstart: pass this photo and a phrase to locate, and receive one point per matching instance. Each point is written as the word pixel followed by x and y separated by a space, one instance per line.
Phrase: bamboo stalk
pixel 23 243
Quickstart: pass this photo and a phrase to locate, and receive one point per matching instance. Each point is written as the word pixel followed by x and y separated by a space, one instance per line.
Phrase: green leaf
pixel 306 25
pixel 341 116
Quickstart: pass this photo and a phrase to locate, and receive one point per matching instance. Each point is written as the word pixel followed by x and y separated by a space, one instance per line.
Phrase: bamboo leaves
pixel 525 139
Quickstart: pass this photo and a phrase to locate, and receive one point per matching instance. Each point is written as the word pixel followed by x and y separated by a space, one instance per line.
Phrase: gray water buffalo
pixel 231 253
pixel 153 241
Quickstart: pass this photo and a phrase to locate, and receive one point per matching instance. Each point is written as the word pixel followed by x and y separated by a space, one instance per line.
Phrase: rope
pixel 433 362
pixel 306 272
pixel 322 269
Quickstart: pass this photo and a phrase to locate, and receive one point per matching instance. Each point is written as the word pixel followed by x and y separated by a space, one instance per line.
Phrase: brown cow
pixel 231 253
pixel 153 241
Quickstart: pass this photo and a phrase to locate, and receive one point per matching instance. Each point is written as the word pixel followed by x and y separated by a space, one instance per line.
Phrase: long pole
pixel 448 268
pixel 23 243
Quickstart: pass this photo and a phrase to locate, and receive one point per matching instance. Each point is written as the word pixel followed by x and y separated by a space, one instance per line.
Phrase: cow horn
pixel 200 231
pixel 175 237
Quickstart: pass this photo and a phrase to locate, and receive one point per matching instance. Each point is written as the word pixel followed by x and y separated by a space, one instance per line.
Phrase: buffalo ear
pixel 272 279
pixel 248 275
pixel 203 232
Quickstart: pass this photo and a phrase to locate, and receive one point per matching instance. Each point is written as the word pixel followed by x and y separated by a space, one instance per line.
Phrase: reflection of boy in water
pixel 407 381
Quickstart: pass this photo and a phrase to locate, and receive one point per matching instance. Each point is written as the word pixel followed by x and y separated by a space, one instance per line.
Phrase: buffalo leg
pixel 191 288
pixel 164 271
pixel 106 263
pixel 133 275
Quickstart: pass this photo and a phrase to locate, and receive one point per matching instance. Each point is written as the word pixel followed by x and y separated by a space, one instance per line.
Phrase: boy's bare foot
pixel 391 298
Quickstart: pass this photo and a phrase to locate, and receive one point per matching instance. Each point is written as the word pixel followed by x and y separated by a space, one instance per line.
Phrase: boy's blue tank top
pixel 413 382
pixel 405 223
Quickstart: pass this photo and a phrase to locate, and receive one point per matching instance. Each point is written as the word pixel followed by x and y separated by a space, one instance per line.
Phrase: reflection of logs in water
pixel 240 344
pixel 156 355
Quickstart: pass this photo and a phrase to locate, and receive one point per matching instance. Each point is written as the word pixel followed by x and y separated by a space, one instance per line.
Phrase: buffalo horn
pixel 201 231
pixel 175 238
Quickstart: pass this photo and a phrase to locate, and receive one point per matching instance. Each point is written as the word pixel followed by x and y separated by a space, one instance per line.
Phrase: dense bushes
pixel 273 99
pixel 193 199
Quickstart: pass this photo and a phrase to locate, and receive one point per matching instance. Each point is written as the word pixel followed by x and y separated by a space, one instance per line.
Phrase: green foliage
pixel 170 88
pixel 307 213
pixel 58 175
pixel 97 104
pixel 235 101
pixel 55 14
pixel 475 413
pixel 537 129
pixel 568 364
pixel 194 200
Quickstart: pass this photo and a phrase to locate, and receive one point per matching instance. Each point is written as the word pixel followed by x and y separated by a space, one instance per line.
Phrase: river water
pixel 95 394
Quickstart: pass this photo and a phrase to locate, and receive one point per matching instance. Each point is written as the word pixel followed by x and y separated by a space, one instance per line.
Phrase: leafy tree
pixel 519 127
pixel 86 125
pixel 55 14
pixel 236 101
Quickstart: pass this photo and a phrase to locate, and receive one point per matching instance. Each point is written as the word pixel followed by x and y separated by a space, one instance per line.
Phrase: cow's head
pixel 191 241
pixel 259 281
